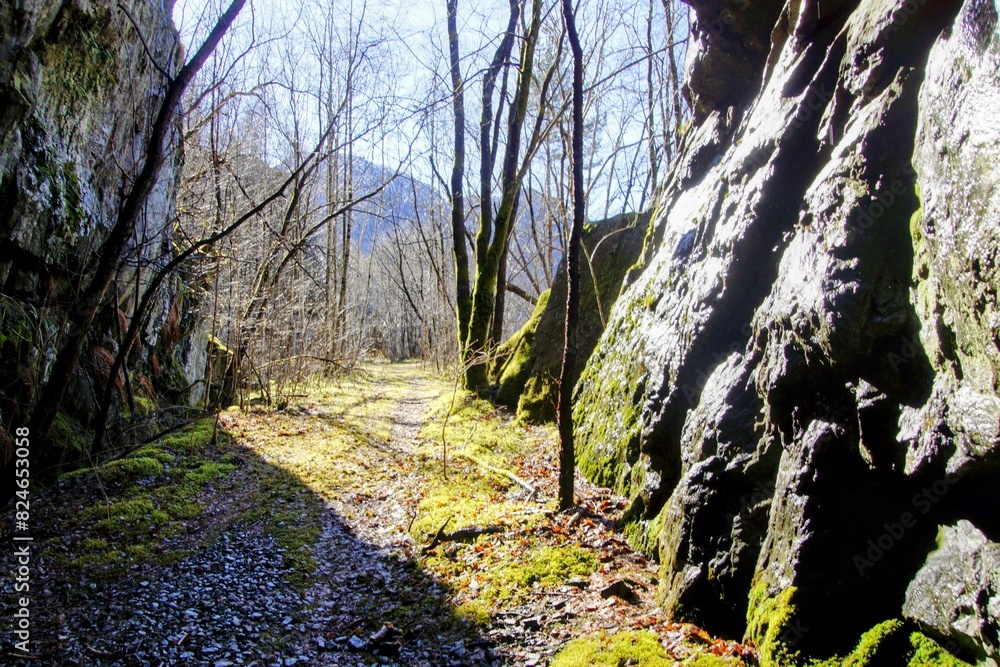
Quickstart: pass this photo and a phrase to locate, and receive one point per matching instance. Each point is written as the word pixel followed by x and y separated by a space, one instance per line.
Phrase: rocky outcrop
pixel 802 383
pixel 956 594
pixel 532 358
pixel 78 92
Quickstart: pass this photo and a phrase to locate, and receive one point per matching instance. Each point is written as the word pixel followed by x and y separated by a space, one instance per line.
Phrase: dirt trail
pixel 304 539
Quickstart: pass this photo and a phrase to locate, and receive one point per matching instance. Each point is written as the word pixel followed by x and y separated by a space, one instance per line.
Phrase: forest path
pixel 327 533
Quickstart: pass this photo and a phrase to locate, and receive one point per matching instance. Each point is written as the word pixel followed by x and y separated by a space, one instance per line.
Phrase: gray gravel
pixel 232 604
pixel 217 608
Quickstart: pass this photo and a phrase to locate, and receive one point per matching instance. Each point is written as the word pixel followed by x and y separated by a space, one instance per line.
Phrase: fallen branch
pixel 437 537
pixel 500 471
pixel 468 534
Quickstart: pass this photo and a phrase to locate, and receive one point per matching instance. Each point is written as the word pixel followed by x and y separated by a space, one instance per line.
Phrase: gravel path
pixel 233 601
pixel 301 554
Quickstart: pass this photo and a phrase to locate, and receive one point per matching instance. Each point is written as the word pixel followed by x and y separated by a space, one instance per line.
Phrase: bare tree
pixel 567 458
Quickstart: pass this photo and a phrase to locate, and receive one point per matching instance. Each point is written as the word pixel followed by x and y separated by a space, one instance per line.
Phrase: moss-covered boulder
pixel 529 378
pixel 511 366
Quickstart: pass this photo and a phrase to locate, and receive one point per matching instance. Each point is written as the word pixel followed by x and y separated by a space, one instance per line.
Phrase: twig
pixel 145 46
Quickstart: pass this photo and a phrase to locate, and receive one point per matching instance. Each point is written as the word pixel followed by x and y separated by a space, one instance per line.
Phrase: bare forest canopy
pixel 241 195
pixel 359 256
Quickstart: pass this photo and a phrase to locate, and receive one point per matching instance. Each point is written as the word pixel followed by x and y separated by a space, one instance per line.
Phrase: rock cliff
pixel 78 93
pixel 800 390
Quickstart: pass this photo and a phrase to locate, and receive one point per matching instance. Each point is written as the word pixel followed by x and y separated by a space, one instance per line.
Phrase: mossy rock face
pixel 71 74
pixel 771 626
pixel 511 367
pixel 69 437
pixel 812 340
pixel 955 242
pixel 528 382
pixel 607 438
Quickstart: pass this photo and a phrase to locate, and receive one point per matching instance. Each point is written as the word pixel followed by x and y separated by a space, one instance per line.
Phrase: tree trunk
pixel 488 264
pixel 463 285
pixel 567 457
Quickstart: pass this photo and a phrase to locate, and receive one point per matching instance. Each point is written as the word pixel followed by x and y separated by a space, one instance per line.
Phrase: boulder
pixel 529 377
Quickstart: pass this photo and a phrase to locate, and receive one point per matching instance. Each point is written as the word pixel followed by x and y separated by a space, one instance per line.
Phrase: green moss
pixel 78 58
pixel 192 438
pixel 68 435
pixel 635 648
pixel 768 620
pixel 476 612
pixel 129 470
pixel 877 646
pixel 207 470
pixel 152 452
pixel 539 400
pixel 607 438
pixel 921 253
pixel 610 248
pixel 872 642
pixel 461 504
pixel 144 406
pixel 182 509
pixel 927 653
pixel 126 518
pixel 138 522
pixel 295 527
pixel 514 357
pixel 551 566
pixel 711 660
pixel 91 545
pixel 466 420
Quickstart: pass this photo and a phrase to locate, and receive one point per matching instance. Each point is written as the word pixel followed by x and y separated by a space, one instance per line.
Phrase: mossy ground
pixel 488 572
pixel 134 511
pixel 689 647
pixel 639 648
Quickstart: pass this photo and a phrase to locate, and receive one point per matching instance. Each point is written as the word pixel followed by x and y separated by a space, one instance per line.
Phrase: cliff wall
pixel 78 93
pixel 800 391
